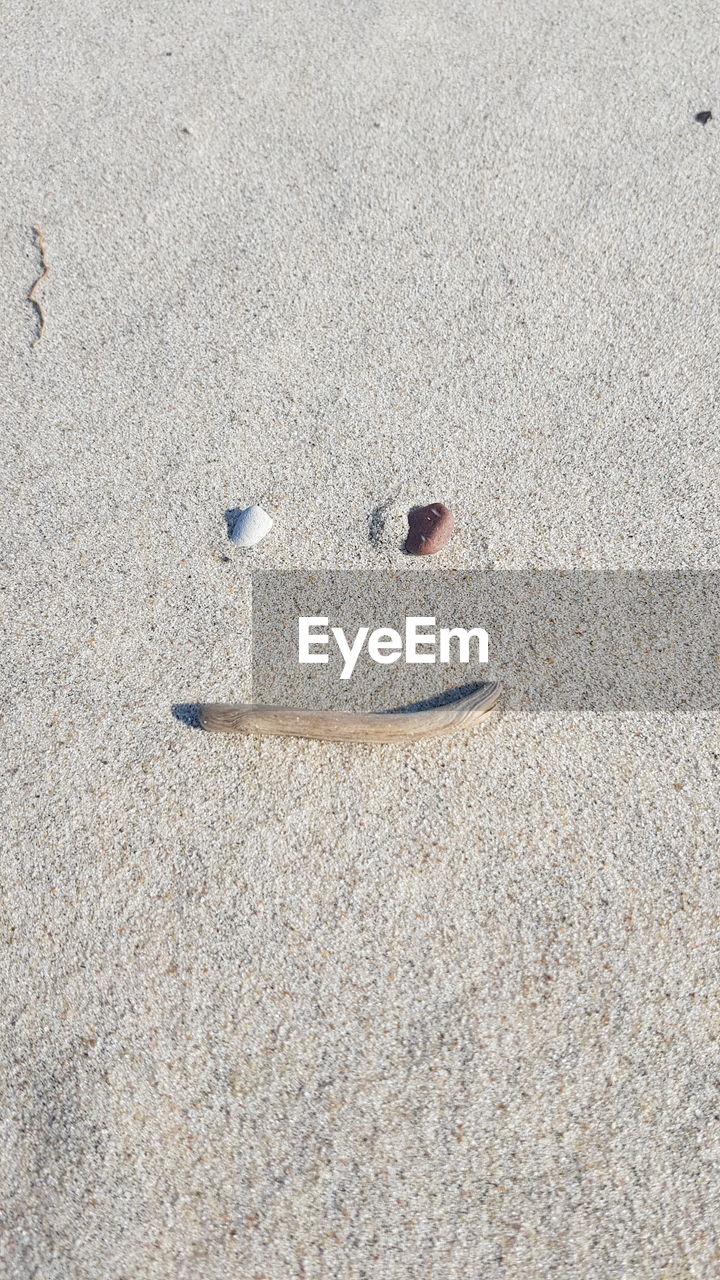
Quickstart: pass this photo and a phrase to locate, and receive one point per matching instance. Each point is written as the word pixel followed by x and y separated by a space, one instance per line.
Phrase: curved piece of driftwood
pixel 347 726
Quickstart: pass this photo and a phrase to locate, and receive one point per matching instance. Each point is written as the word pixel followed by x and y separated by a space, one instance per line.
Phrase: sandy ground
pixel 281 1011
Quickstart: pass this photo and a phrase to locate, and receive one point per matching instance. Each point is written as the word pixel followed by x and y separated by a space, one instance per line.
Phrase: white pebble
pixel 250 527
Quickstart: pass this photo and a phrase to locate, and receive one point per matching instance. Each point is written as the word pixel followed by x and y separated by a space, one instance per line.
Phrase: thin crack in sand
pixel 31 296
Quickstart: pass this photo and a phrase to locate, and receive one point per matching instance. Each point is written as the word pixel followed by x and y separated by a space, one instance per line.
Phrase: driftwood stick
pixel 347 726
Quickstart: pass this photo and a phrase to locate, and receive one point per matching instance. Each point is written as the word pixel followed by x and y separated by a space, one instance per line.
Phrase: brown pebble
pixel 430 529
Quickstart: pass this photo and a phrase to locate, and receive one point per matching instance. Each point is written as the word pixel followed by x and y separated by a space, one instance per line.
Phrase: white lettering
pixel 385 639
pixel 350 654
pixel 448 633
pixel 305 639
pixel 413 638
pixel 385 645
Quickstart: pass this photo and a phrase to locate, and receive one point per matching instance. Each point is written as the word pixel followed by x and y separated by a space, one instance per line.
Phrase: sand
pixel 286 1011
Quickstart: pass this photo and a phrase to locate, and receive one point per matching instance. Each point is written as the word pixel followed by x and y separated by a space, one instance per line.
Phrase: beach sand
pixel 279 1010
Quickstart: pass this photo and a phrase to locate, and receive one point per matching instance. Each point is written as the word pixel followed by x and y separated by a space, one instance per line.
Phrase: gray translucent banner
pixel 593 641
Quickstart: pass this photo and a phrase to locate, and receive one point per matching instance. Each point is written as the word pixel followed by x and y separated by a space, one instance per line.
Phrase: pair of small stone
pixel 429 528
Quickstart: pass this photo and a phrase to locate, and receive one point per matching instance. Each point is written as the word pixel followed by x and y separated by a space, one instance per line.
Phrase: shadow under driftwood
pixel 444 699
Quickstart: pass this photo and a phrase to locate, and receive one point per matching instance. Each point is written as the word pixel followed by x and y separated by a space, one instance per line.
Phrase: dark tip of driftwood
pixel 189 714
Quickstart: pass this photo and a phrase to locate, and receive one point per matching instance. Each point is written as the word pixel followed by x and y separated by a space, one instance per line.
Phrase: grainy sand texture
pixel 280 1010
